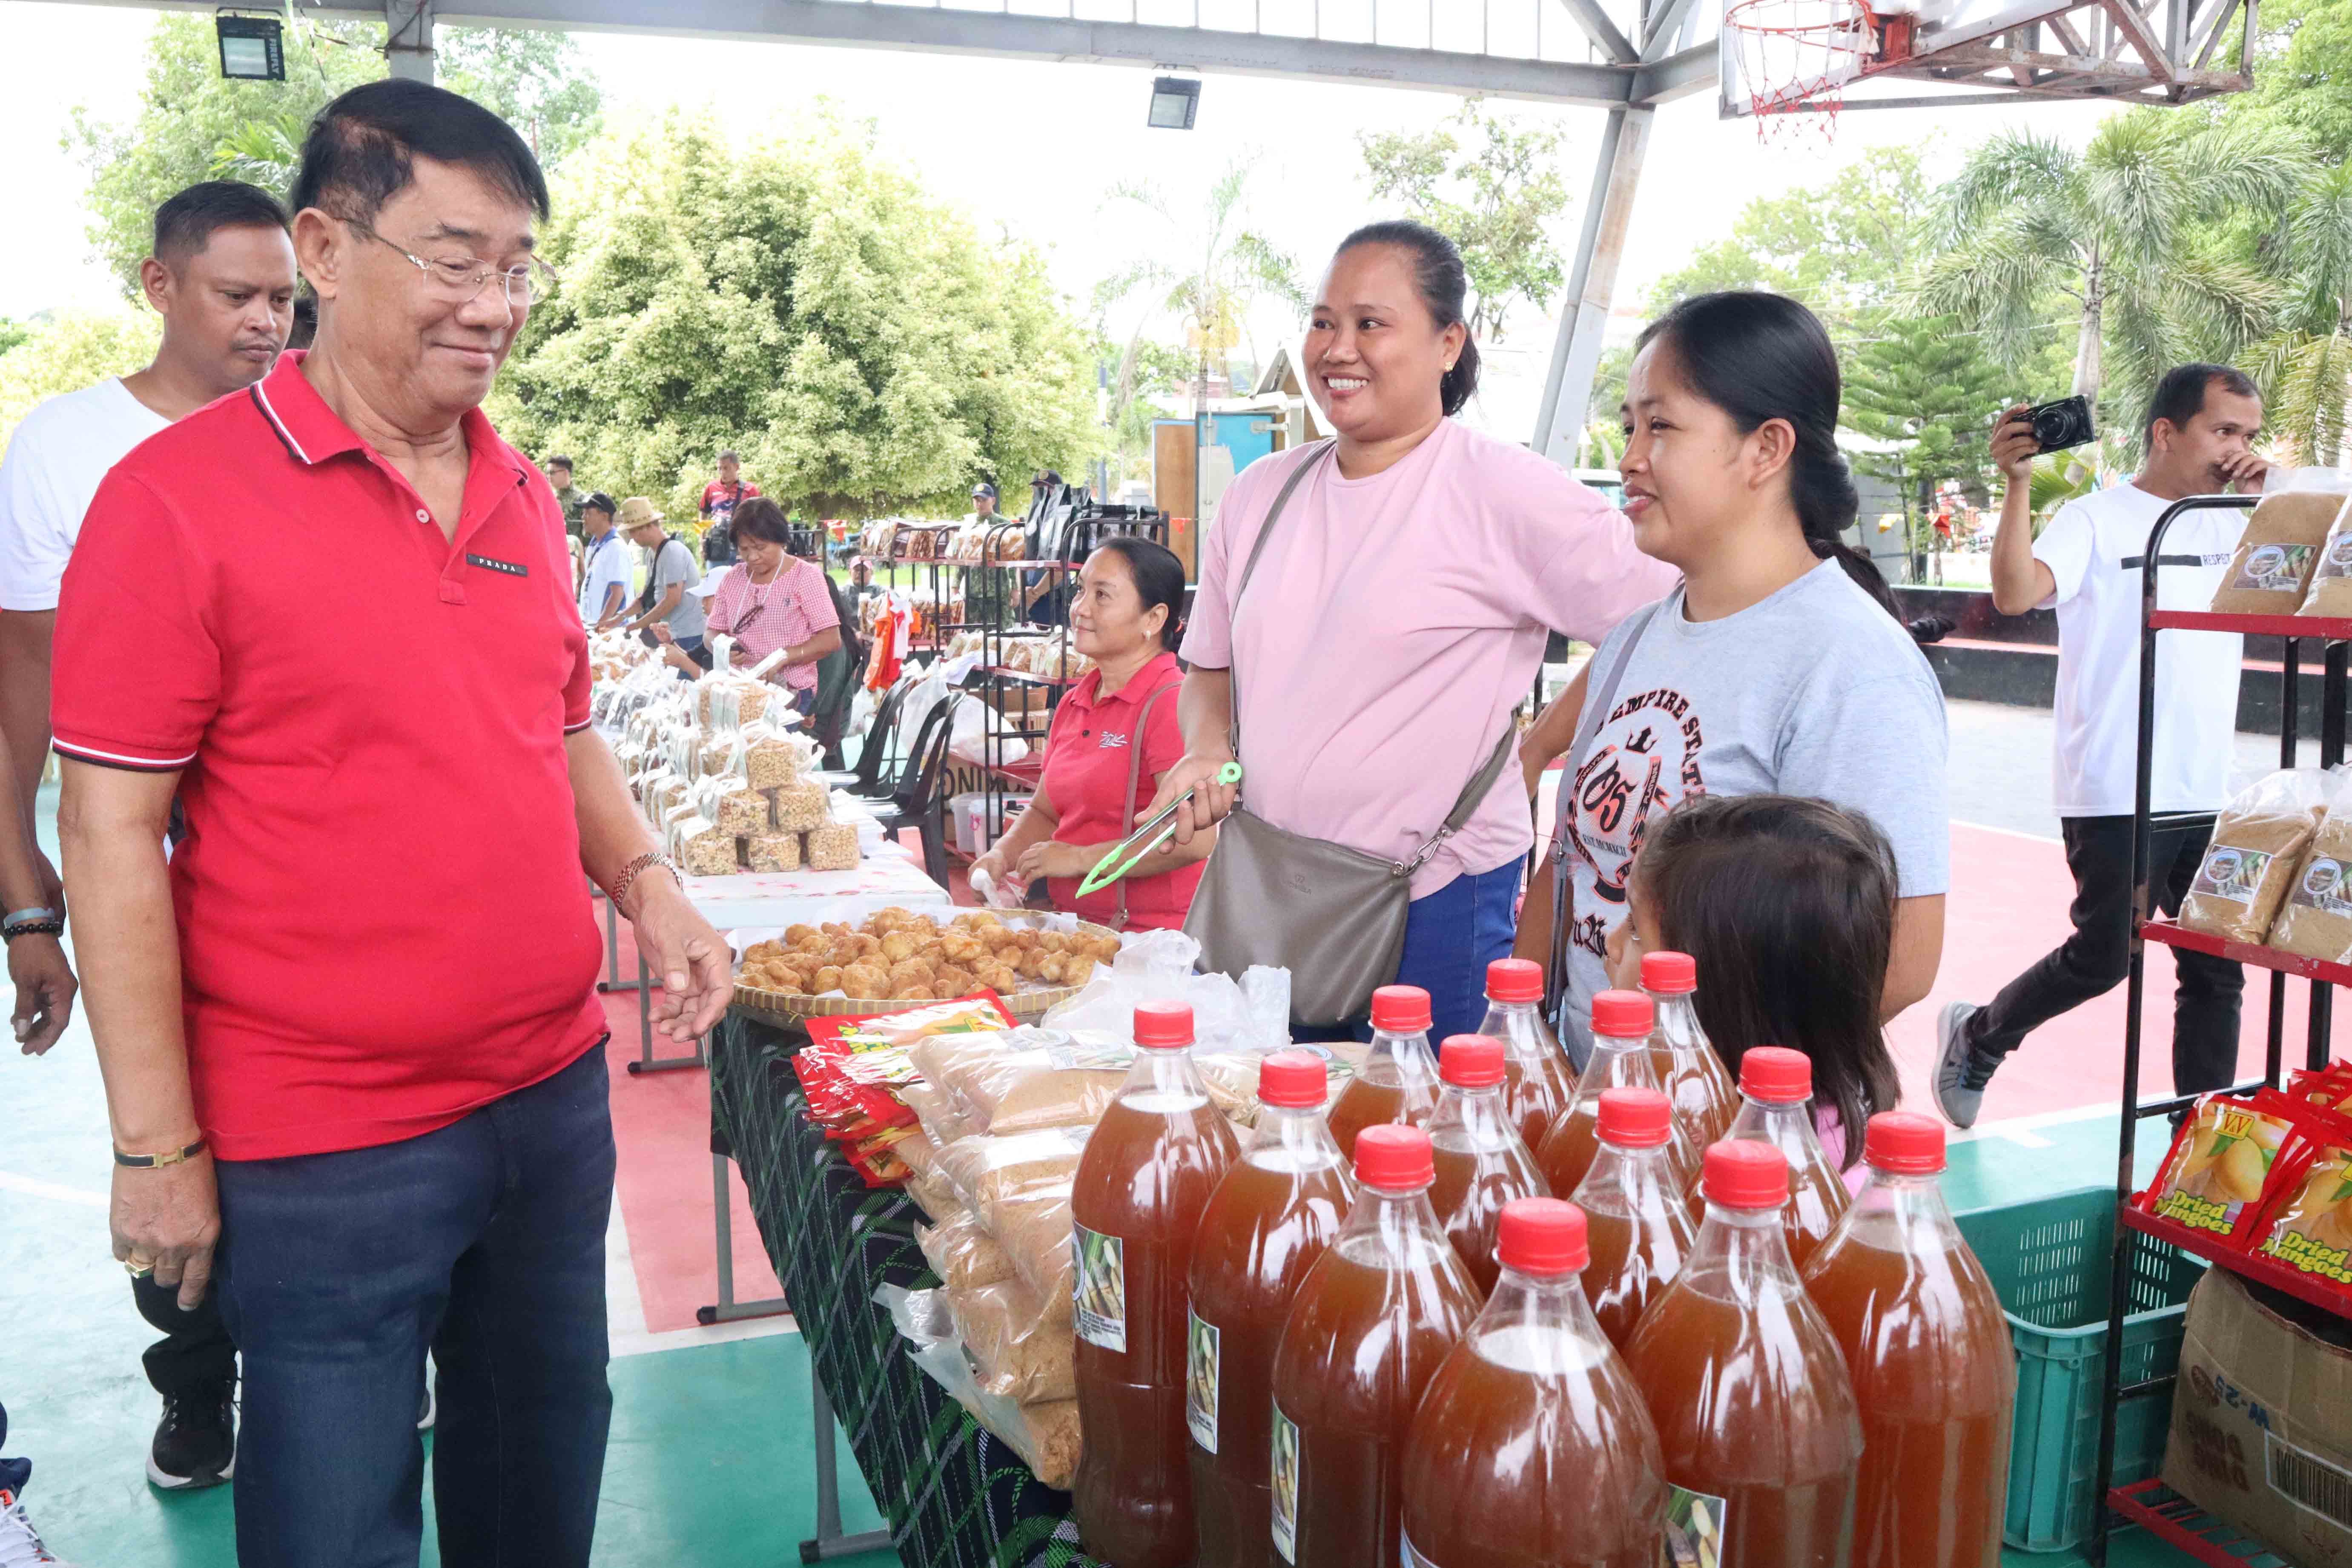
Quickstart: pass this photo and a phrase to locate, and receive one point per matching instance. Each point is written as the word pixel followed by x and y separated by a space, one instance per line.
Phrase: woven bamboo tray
pixel 775 1006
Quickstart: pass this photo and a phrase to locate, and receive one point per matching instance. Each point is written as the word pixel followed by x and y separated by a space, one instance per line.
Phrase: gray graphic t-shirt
pixel 1813 692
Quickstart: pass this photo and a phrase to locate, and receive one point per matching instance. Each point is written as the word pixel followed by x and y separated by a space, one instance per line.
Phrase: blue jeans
pixel 1451 936
pixel 483 1241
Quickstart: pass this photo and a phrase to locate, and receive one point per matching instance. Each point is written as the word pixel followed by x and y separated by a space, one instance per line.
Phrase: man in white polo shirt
pixel 2088 563
pixel 603 565
pixel 222 278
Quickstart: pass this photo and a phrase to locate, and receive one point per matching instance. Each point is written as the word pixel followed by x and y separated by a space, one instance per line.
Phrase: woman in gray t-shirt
pixel 1779 666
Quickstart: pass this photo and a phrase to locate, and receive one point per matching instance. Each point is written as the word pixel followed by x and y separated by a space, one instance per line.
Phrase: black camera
pixel 2059 425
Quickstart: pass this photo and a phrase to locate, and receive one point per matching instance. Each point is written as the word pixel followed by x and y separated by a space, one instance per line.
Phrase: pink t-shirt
pixel 1393 624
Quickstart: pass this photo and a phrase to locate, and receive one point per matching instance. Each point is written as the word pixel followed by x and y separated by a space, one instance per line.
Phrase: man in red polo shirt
pixel 351 1048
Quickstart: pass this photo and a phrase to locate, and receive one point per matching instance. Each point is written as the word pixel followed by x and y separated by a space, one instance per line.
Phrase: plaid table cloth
pixel 955 1497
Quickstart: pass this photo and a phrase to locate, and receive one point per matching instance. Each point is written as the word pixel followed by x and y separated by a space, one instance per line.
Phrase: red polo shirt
pixel 1085 780
pixel 379 900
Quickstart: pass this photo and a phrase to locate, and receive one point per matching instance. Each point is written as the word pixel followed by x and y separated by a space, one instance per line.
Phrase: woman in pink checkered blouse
pixel 775 600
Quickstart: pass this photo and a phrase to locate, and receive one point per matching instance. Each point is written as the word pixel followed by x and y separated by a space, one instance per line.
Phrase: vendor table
pixel 954 1495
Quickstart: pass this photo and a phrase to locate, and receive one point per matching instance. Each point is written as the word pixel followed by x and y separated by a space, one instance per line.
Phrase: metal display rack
pixel 2147 1503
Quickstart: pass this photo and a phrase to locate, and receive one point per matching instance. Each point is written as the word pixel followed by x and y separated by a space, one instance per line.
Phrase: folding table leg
pixel 646 1061
pixel 828 1541
pixel 729 1309
pixel 613 981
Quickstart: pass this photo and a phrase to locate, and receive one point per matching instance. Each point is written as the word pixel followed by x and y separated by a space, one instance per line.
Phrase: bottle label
pixel 1101 1288
pixel 1285 1486
pixel 1202 1363
pixel 1694 1526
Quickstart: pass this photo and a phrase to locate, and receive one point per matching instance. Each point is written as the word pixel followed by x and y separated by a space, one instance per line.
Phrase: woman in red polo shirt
pixel 1112 737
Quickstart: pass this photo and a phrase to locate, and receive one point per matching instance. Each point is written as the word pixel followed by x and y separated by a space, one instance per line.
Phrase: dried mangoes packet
pixel 2219 1164
pixel 2309 1228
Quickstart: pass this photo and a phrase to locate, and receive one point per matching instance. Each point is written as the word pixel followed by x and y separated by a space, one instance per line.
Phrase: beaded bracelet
pixel 34 928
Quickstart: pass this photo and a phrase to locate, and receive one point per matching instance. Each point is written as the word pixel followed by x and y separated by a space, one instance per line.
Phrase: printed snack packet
pixel 2256 849
pixel 2219 1164
pixel 2280 548
pixel 2308 1229
pixel 2331 579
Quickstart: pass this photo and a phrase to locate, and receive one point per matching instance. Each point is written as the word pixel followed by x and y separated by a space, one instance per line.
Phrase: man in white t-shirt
pixel 604 564
pixel 222 276
pixel 2088 563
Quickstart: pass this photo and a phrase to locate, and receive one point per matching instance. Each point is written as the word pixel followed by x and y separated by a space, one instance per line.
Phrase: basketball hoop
pixel 1796 57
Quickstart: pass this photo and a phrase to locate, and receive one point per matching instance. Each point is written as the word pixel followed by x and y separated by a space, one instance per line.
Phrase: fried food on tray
pixel 898 955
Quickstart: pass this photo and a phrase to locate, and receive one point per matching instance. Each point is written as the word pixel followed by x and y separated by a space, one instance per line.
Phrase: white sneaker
pixel 20 1543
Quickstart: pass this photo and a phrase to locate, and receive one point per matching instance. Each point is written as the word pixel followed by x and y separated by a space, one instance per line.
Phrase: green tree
pixel 192 125
pixel 1499 198
pixel 1150 370
pixel 68 351
pixel 2304 368
pixel 2117 230
pixel 2302 75
pixel 803 301
pixel 1923 391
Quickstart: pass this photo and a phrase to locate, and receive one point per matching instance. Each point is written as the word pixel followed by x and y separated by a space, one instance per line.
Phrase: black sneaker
pixel 196 1442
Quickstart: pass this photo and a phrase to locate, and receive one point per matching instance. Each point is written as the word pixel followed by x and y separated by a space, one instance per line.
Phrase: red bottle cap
pixel 1163 1025
pixel 1776 1075
pixel 1297 1080
pixel 1515 980
pixel 1903 1143
pixel 1470 1061
pixel 1744 1173
pixel 1623 1015
pixel 1393 1157
pixel 1541 1236
pixel 1669 974
pixel 1400 1010
pixel 1635 1117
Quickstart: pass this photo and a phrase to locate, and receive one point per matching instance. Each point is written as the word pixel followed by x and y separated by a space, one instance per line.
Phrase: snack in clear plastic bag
pixel 705 849
pixel 833 847
pixel 742 813
pixel 961 1252
pixel 1032 1227
pixel 2221 1161
pixel 1018 1352
pixel 2273 567
pixel 934 1196
pixel 1028 1080
pixel 2251 860
pixel 944 1117
pixel 772 761
pixel 2331 578
pixel 802 805
pixel 774 851
pixel 985 1169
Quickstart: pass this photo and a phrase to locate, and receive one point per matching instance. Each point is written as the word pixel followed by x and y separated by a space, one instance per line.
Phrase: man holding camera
pixel 2087 564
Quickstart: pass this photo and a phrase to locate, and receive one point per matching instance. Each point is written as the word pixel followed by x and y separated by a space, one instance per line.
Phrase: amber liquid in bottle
pixel 1367 1330
pixel 1694 1077
pixel 1639 1232
pixel 1755 1412
pixel 1270 1219
pixel 1538 1084
pixel 1817 1195
pixel 1933 1367
pixel 1482 1165
pixel 1398 1082
pixel 1566 1153
pixel 1149 1169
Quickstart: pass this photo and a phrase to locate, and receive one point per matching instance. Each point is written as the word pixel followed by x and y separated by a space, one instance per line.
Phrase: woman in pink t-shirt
pixel 1398 610
pixel 774 600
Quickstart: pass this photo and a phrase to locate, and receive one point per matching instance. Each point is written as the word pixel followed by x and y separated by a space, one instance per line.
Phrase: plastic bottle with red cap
pixel 1149 1167
pixel 1533 1445
pixel 1689 1070
pixel 1482 1162
pixel 1641 1234
pixel 1621 1022
pixel 1272 1216
pixel 1776 1095
pixel 1397 1080
pixel 1929 1351
pixel 1538 1080
pixel 1378 1313
pixel 1755 1411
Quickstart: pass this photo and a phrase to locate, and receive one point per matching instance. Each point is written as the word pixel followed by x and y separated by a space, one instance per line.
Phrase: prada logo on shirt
pixel 1111 742
pixel 511 569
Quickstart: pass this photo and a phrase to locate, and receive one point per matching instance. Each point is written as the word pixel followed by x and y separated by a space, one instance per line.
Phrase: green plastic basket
pixel 2049 1260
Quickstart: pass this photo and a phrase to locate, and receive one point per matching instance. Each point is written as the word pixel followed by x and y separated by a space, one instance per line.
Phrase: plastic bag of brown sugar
pixel 944 1115
pixel 2251 861
pixel 2273 567
pixel 961 1252
pixel 2315 921
pixel 935 1198
pixel 1059 1081
pixel 1034 1229
pixel 1017 1352
pixel 2331 579
pixel 1045 1436
pixel 985 1169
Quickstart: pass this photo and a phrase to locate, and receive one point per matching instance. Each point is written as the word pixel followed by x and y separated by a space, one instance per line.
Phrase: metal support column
pixel 408 39
pixel 1592 283
pixel 829 1542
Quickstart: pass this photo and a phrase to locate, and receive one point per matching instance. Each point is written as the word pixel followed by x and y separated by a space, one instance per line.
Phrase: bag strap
pixel 1135 774
pixel 1249 568
pixel 1600 696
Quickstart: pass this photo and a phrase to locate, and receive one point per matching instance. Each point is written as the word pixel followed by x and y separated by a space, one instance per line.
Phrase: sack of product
pixel 985 1169
pixel 2315 921
pixel 2272 568
pixel 1029 1079
pixel 1033 1226
pixel 963 1253
pixel 1046 1437
pixel 1018 1352
pixel 2251 861
pixel 2331 579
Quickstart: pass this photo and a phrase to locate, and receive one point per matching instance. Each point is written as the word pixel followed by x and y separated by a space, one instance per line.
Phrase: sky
pixel 1030 148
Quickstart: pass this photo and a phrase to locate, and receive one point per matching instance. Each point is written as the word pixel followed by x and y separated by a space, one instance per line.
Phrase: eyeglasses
pixel 459 279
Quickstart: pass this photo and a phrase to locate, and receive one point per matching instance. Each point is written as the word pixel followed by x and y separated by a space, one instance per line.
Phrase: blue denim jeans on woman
pixel 483 1242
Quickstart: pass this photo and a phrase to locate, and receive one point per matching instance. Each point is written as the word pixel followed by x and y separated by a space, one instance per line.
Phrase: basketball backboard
pixel 1802 57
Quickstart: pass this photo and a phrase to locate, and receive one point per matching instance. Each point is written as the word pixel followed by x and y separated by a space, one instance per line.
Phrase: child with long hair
pixel 1787 905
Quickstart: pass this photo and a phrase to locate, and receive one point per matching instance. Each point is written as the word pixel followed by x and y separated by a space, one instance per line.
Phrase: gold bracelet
pixel 630 873
pixel 156 1162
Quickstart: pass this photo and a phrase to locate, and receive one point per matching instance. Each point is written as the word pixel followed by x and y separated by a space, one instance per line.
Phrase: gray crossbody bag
pixel 1333 916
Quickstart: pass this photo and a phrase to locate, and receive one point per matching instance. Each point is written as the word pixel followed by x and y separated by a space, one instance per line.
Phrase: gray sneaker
pixel 1959 1102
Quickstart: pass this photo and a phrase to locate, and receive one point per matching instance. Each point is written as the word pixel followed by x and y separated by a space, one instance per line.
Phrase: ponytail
pixel 1760 357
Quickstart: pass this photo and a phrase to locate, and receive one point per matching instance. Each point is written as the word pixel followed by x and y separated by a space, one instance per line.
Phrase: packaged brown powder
pixel 2315 921
pixel 2273 567
pixel 964 1253
pixel 1034 1229
pixel 2252 859
pixel 2331 580
pixel 1017 1352
pixel 983 1170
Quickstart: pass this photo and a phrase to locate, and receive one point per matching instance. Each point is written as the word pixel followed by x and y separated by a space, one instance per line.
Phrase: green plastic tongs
pixel 1132 851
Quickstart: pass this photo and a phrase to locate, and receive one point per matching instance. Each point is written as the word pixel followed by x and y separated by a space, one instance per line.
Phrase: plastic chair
pixel 918 802
pixel 865 781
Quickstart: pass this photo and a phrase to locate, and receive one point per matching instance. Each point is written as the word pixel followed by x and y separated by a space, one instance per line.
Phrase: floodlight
pixel 251 48
pixel 1175 101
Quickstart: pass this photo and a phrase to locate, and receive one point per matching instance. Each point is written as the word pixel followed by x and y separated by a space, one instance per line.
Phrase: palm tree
pixel 2305 368
pixel 2114 229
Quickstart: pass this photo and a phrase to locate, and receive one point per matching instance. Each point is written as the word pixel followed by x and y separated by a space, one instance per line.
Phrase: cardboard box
pixel 2262 1425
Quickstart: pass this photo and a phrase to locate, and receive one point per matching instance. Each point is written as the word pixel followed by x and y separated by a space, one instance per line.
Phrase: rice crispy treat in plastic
pixel 743 812
pixel 802 805
pixel 771 851
pixel 705 849
pixel 833 847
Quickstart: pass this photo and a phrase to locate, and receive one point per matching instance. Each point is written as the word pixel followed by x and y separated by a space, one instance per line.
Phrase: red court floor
pixel 2008 906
